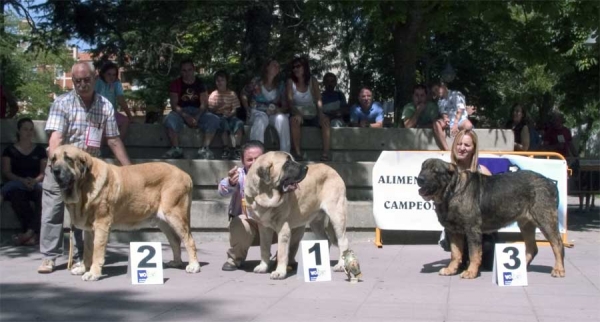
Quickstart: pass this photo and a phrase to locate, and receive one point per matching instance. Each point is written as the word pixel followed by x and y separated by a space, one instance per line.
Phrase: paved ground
pixel 400 284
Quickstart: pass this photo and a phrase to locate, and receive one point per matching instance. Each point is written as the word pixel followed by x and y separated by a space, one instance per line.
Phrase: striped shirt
pixel 217 101
pixel 69 116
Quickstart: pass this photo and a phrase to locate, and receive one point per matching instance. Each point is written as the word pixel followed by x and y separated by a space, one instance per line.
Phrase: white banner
pixel 398 206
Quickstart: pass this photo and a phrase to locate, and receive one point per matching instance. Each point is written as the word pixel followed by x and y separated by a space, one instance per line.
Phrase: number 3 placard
pixel 146 263
pixel 315 260
pixel 510 265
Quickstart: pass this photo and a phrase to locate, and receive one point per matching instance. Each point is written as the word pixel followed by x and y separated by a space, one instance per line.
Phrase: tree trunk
pixel 259 20
pixel 2 36
pixel 406 48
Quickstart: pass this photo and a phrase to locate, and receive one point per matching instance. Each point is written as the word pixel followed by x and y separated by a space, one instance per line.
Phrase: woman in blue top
pixel 109 86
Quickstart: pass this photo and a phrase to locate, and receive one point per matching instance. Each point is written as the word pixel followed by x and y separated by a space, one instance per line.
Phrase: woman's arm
pixel 123 104
pixel 484 170
pixel 43 164
pixel 7 171
pixel 289 94
pixel 524 146
pixel 316 92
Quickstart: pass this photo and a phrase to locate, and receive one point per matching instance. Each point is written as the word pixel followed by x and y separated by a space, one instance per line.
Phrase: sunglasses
pixel 85 80
pixel 297 66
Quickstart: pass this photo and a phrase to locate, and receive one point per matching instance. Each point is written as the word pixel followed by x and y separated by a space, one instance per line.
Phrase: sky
pixel 82 45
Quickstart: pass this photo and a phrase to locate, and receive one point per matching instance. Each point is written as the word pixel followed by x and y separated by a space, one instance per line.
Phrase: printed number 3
pixel 317 251
pixel 151 252
pixel 513 256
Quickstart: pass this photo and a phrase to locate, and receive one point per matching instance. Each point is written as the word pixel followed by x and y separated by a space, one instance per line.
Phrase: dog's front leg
pixel 101 231
pixel 266 238
pixel 475 253
pixel 283 248
pixel 457 242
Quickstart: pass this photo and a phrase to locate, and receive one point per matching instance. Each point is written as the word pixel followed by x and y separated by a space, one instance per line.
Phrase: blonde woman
pixel 465 155
pixel 465 152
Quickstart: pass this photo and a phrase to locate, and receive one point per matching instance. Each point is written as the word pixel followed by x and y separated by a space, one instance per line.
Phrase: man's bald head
pixel 84 79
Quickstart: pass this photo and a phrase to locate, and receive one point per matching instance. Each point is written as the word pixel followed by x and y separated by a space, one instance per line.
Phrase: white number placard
pixel 315 260
pixel 146 263
pixel 510 265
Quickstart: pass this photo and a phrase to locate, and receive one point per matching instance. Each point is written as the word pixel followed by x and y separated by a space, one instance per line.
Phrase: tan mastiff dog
pixel 284 196
pixel 100 196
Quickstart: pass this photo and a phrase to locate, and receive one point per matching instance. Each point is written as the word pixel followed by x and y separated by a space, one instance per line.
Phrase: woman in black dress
pixel 23 166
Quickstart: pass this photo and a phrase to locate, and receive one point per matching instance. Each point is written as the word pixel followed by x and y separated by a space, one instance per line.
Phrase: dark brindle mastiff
pixel 470 204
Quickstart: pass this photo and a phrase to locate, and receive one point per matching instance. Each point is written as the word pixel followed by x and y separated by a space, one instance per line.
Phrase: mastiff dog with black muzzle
pixel 284 196
pixel 470 203
pixel 102 196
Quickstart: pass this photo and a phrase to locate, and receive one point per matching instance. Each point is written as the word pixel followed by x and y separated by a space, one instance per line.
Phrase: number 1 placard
pixel 510 265
pixel 146 263
pixel 315 260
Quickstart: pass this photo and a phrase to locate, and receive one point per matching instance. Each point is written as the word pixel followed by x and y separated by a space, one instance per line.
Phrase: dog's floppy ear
pixel 452 168
pixel 264 173
pixel 84 162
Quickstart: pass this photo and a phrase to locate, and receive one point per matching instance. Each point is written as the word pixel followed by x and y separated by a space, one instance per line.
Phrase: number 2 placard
pixel 315 260
pixel 146 263
pixel 510 265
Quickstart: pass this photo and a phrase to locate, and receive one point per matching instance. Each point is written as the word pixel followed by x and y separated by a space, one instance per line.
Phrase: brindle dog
pixel 470 204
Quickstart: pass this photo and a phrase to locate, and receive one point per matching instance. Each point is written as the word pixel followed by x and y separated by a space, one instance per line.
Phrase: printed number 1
pixel 151 252
pixel 317 251
pixel 513 256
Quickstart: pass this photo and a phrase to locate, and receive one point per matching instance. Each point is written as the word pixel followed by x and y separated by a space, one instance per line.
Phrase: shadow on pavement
pixel 583 220
pixel 44 302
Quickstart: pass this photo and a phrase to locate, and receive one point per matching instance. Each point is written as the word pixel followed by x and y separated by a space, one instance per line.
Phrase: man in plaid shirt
pixel 78 117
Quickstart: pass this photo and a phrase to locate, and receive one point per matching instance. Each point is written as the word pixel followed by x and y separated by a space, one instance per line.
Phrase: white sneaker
pixel 173 153
pixel 78 268
pixel 205 153
pixel 47 266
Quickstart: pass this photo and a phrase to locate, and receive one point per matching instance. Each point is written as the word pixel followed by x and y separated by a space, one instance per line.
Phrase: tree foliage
pixel 534 52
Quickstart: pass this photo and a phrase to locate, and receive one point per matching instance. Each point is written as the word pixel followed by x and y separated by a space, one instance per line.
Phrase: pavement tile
pixel 401 311
pixel 400 283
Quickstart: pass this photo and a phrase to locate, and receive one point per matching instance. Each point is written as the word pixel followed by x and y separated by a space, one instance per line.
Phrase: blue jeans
pixel 207 121
pixel 230 124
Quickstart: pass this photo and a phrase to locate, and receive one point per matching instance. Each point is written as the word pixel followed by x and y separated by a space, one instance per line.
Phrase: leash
pixel 71 241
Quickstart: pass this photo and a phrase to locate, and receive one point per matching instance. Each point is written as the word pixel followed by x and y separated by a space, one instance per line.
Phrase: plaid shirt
pixel 69 116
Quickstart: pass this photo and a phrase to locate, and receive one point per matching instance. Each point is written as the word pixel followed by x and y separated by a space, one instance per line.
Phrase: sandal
pixel 32 241
pixel 21 239
pixel 297 157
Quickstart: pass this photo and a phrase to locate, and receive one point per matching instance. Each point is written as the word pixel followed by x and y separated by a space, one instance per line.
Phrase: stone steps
pixel 211 215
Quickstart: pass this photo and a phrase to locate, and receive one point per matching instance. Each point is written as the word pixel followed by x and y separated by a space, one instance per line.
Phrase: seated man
pixel 454 116
pixel 557 138
pixel 243 228
pixel 367 113
pixel 189 101
pixel 224 103
pixel 421 112
pixel 334 102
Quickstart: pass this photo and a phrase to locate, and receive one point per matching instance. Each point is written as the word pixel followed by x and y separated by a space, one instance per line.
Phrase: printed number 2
pixel 144 262
pixel 514 253
pixel 317 251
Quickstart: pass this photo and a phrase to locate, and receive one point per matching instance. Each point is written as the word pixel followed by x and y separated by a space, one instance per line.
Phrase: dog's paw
pixel 468 274
pixel 261 268
pixel 558 272
pixel 78 270
pixel 193 268
pixel 276 275
pixel 173 264
pixel 339 267
pixel 90 277
pixel 447 272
